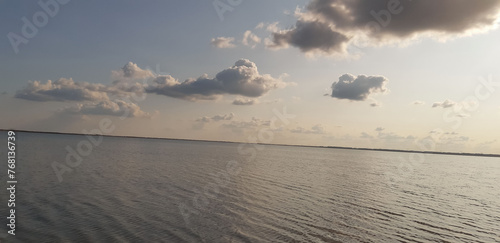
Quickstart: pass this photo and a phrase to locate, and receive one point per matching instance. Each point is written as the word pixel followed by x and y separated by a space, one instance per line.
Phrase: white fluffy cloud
pixel 241 79
pixel 250 39
pixel 328 26
pixel 129 79
pixel 99 99
pixel 63 90
pixel 358 88
pixel 223 42
pixel 131 71
pixel 95 99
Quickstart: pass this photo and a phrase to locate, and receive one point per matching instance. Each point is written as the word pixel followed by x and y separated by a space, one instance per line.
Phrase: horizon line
pixel 275 144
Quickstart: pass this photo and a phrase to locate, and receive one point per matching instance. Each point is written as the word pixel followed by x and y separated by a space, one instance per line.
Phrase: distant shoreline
pixel 291 145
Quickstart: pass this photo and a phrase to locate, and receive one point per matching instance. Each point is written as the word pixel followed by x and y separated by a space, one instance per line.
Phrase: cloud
pixel 448 138
pixel 63 90
pixel 454 139
pixel 241 79
pixel 239 126
pixel 463 115
pixel 389 136
pixel 392 136
pixel 316 129
pixel 366 135
pixel 418 102
pixel 223 42
pixel 271 27
pixel 439 131
pixel 131 71
pixel 95 99
pixel 309 37
pixel 242 101
pixel 375 104
pixel 327 26
pixel 358 88
pixel 216 118
pixel 444 104
pixel 111 108
pixel 487 143
pixel 250 39
pixel 66 89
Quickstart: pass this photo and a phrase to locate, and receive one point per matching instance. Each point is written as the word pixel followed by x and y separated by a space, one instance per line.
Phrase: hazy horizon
pixel 273 144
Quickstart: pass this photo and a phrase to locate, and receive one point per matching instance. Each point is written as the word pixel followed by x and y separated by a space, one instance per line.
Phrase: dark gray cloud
pixel 326 25
pixel 408 17
pixel 358 88
pixel 310 36
pixel 241 79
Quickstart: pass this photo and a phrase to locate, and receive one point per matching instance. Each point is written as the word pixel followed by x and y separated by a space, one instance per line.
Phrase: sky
pixel 358 73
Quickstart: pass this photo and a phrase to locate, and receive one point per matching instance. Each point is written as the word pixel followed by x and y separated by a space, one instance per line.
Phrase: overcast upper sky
pixel 361 73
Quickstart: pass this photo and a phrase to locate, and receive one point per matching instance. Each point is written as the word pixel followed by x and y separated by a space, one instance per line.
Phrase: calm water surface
pixel 144 190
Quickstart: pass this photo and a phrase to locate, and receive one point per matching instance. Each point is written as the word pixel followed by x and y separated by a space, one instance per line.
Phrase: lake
pixel 153 190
